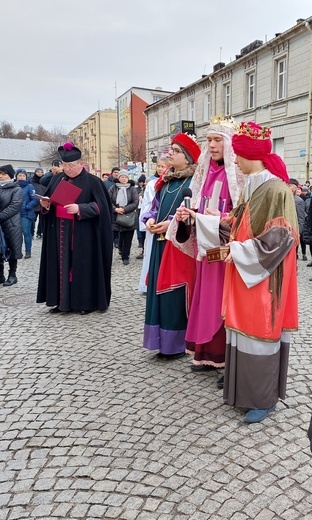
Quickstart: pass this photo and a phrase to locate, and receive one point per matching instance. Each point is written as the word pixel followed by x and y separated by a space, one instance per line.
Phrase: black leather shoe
pixel 220 383
pixel 179 355
pixel 10 281
pixel 202 368
pixel 309 264
pixel 85 312
pixel 55 310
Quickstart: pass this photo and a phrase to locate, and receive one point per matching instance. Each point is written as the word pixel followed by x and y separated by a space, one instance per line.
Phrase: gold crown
pixel 223 121
pixel 251 130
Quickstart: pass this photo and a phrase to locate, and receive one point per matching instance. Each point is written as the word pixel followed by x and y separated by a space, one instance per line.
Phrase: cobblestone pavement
pixel 93 426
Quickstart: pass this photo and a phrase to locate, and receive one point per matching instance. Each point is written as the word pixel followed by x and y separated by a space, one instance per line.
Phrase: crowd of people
pixel 219 228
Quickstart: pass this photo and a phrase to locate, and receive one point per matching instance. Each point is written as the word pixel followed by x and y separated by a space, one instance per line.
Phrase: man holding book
pixel 75 267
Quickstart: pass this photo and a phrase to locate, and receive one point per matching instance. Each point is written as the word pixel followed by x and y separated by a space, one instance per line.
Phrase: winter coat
pixel 39 188
pixel 132 204
pixel 45 179
pixel 11 199
pixel 29 202
pixel 110 181
pixel 301 214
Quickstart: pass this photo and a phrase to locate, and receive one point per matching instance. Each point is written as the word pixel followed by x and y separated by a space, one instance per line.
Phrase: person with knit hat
pixel 76 255
pixel 11 199
pixel 260 306
pixel 125 200
pixel 171 272
pixel 27 209
pixel 205 333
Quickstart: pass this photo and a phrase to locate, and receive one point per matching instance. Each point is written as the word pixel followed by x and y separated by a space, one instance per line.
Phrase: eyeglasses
pixel 175 151
pixel 70 166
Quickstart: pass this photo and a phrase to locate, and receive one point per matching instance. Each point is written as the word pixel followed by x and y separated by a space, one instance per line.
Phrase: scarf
pixel 122 199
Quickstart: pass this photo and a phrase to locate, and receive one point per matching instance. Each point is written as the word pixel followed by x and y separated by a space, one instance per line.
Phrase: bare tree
pixel 7 130
pixel 58 137
pixel 42 134
pixel 132 148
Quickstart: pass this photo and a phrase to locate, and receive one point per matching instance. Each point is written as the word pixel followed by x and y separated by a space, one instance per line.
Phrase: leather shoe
pixel 202 368
pixel 85 312
pixel 179 355
pixel 220 383
pixel 125 262
pixel 10 281
pixel 309 264
pixel 55 310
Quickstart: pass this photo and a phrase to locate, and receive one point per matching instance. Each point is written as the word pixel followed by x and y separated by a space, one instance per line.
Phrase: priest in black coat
pixel 76 257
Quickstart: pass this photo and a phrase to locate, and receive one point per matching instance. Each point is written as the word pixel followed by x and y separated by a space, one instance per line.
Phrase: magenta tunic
pixel 205 335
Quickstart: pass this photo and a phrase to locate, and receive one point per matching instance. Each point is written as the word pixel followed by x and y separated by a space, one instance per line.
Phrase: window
pixel 227 99
pixel 207 106
pixel 177 113
pixel 278 146
pixel 191 110
pixel 157 98
pixel 251 90
pixel 281 78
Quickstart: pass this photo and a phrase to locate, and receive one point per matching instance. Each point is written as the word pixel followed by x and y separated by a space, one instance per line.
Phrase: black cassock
pixel 76 257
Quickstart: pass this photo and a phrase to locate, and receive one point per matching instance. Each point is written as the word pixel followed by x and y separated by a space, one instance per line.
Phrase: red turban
pixel 253 142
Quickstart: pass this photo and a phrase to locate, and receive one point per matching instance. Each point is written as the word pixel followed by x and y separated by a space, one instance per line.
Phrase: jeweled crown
pixel 254 131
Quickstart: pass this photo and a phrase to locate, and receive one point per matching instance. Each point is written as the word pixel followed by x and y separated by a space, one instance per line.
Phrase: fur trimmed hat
pixel 189 145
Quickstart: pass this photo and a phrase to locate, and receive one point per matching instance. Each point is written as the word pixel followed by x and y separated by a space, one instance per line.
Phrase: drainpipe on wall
pixel 308 136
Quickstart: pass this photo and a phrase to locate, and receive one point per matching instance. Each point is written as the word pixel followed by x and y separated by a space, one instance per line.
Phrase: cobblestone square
pixel 92 426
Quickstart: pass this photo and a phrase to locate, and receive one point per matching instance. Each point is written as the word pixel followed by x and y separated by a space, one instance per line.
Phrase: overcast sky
pixel 61 60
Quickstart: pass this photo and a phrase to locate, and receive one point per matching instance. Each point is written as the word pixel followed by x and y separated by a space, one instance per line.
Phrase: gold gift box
pixel 217 254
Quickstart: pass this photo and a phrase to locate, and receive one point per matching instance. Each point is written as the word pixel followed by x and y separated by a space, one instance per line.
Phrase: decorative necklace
pixel 177 191
pixel 166 190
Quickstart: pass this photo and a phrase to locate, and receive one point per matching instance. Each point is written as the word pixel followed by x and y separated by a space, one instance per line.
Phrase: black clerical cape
pixel 76 257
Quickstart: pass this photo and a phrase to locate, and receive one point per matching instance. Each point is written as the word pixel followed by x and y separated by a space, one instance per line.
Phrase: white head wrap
pixel 226 128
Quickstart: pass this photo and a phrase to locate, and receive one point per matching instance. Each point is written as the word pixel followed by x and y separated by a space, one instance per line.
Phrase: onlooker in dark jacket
pixel 109 182
pixel 40 190
pixel 56 168
pixel 27 209
pixel 11 199
pixel 301 215
pixel 125 199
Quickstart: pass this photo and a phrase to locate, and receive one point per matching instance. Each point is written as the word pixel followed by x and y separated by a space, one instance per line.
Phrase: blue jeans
pixel 26 228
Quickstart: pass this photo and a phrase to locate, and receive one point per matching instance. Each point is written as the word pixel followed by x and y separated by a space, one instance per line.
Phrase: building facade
pixel 269 83
pixel 97 137
pixel 132 123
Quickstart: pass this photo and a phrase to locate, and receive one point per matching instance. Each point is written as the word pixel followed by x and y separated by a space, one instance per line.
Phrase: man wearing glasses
pixel 76 257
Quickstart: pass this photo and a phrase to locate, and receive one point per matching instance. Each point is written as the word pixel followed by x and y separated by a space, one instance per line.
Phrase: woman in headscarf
pixel 170 273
